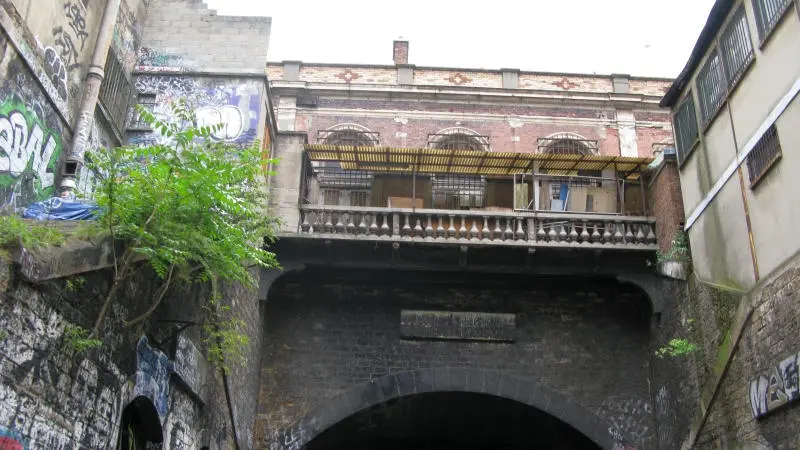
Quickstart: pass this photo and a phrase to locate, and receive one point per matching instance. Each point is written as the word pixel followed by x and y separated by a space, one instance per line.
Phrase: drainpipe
pixel 91 90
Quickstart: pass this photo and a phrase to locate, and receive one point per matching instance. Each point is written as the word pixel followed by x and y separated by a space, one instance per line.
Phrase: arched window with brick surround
pixel 458 191
pixel 349 134
pixel 458 138
pixel 567 144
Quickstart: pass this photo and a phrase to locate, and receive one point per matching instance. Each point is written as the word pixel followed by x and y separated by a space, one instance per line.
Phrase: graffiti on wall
pixel 162 60
pixel 775 389
pixel 236 107
pixel 629 419
pixel 29 152
pixel 152 376
pixel 9 440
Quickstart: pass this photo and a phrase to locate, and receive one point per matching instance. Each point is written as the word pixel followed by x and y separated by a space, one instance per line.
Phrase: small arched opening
pixel 140 426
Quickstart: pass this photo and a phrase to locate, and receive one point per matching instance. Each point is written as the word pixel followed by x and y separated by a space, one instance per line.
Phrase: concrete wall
pixel 331 330
pixel 52 397
pixel 720 240
pixel 186 34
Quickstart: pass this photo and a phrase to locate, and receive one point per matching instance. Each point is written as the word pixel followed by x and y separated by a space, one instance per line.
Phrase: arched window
pixel 567 144
pixel 458 191
pixel 458 138
pixel 349 134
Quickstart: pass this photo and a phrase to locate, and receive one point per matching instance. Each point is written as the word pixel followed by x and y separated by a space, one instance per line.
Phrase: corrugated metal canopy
pixel 476 162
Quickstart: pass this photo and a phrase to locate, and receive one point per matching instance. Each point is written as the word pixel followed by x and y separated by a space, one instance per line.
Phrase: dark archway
pixel 140 427
pixel 451 420
pixel 564 415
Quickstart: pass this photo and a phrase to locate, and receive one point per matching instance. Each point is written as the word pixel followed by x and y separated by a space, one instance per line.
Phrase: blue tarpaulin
pixel 56 208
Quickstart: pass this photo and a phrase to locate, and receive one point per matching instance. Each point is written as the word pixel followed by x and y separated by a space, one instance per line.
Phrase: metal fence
pixel 116 91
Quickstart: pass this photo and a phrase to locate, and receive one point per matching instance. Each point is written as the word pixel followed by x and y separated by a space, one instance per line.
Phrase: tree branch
pixel 155 304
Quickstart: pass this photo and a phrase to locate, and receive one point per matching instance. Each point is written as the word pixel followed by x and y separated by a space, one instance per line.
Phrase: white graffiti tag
pixel 21 147
pixel 230 117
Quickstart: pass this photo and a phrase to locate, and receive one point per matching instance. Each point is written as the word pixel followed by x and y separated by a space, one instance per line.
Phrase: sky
pixel 636 37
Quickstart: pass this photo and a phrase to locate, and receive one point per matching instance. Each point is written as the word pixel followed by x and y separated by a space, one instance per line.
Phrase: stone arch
pixel 567 142
pixel 424 381
pixel 351 134
pixel 441 137
pixel 140 425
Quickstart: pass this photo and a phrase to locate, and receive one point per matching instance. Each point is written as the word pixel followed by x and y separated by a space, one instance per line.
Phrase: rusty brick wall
pixel 665 202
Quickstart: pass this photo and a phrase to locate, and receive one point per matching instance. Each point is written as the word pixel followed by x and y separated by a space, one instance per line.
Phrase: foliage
pixel 678 251
pixel 14 231
pixel 224 336
pixel 3 335
pixel 676 347
pixel 74 284
pixel 78 339
pixel 192 208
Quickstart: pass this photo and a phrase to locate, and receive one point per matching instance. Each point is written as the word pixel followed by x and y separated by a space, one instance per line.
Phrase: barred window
pixel 116 91
pixel 736 47
pixel 148 103
pixel 348 136
pixel 358 198
pixel 455 141
pixel 764 155
pixel 685 125
pixel 711 87
pixel 330 197
pixel 768 13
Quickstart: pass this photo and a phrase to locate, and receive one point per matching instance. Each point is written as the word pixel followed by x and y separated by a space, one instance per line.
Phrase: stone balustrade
pixel 524 229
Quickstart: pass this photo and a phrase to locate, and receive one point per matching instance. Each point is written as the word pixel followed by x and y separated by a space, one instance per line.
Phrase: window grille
pixel 685 125
pixel 763 156
pixel 768 13
pixel 346 136
pixel 736 47
pixel 331 175
pixel 711 87
pixel 458 191
pixel 359 198
pixel 148 103
pixel 567 144
pixel 457 141
pixel 116 90
pixel 330 197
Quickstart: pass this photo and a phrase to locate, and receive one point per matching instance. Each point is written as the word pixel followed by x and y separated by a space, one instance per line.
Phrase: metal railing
pixel 521 229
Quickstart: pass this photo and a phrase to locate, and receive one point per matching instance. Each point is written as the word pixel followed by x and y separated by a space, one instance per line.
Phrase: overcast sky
pixel 638 37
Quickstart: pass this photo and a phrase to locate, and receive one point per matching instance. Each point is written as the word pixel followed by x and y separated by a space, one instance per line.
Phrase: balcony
pixel 474 198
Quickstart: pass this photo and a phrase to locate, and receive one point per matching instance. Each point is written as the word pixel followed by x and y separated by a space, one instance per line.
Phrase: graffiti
pixel 236 108
pixel 66 48
pixel 10 441
pixel 150 57
pixel 190 366
pixel 70 41
pixel 629 419
pixel 152 376
pixel 77 22
pixel 778 388
pixel 29 152
pixel 56 71
pixel 230 117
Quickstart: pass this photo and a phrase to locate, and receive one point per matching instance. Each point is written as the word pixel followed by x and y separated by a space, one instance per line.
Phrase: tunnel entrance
pixel 451 421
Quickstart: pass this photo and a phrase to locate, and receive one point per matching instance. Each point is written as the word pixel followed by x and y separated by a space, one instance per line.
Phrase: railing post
pixel 395 224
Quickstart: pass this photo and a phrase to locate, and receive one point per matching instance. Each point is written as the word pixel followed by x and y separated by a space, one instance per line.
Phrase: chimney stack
pixel 400 53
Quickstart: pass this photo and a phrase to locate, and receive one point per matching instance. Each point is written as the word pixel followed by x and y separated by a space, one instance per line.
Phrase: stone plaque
pixel 449 325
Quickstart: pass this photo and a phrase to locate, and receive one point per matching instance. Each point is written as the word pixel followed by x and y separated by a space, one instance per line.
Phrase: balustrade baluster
pixel 350 227
pixel 406 226
pixel 531 229
pixel 520 234
pixel 339 227
pixel 451 231
pixel 540 234
pixel 651 236
pixel 418 232
pixel 562 233
pixel 362 225
pixel 607 232
pixel 498 230
pixel 473 231
pixel 509 233
pixel 328 222
pixel 552 235
pixel 440 228
pixel 462 232
pixel 373 224
pixel 618 236
pixel 429 227
pixel 596 237
pixel 573 235
pixel 395 224
pixel 485 231
pixel 585 237
pixel 304 225
pixel 628 233
pixel 385 229
pixel 640 234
